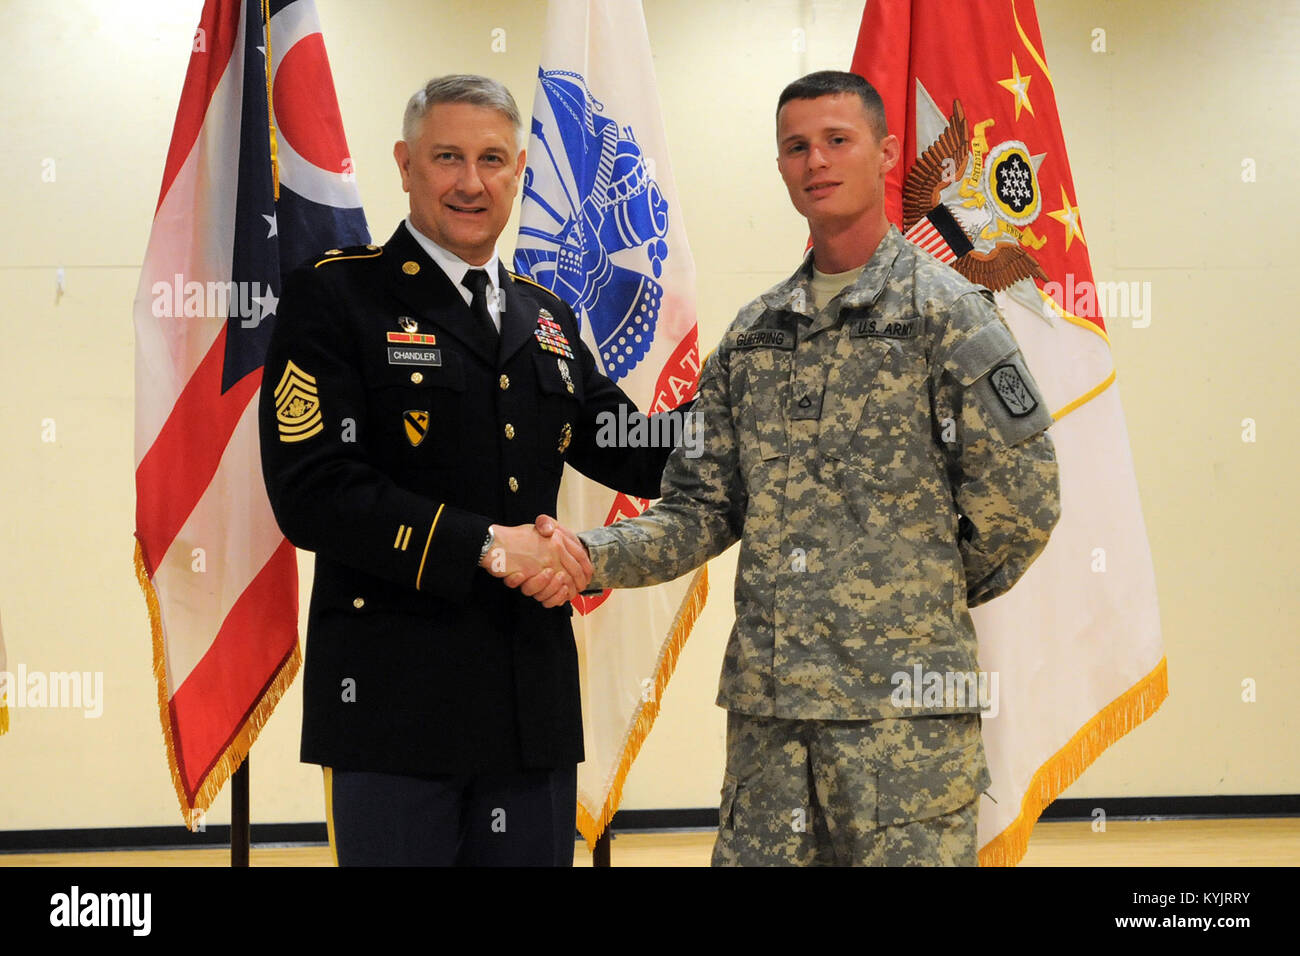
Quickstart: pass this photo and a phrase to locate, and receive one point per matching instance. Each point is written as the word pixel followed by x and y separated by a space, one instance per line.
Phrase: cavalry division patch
pixel 297 405
pixel 1012 390
pixel 417 426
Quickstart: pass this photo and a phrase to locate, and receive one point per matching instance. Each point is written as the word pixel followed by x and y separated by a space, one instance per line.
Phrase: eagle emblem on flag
pixel 971 205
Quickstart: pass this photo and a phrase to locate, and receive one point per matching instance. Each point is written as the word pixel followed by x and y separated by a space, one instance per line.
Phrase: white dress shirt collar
pixel 455 268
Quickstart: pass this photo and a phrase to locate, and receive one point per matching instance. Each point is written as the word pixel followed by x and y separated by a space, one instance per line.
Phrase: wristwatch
pixel 487 544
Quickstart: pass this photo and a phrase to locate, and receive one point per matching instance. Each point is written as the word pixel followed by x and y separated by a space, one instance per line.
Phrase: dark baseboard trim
pixel 701 818
pixel 1116 808
pixel 706 818
pixel 1172 808
pixel 152 838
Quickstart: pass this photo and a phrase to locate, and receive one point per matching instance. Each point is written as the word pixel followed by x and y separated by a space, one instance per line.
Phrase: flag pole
pixel 239 813
pixel 239 828
pixel 600 853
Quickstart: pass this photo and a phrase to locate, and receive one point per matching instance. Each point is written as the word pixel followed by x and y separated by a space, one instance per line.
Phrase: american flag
pixel 925 235
pixel 257 179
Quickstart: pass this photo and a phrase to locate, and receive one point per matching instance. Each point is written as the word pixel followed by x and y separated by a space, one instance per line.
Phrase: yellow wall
pixel 1157 126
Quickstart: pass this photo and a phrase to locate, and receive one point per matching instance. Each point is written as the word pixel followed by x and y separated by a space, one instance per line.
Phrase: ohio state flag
pixel 985 186
pixel 600 226
pixel 243 201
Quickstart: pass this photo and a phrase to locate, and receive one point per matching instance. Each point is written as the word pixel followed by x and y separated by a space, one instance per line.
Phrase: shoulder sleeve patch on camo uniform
pixel 297 405
pixel 1012 390
pixel 990 362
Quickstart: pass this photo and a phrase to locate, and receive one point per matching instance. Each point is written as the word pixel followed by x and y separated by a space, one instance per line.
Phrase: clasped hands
pixel 543 560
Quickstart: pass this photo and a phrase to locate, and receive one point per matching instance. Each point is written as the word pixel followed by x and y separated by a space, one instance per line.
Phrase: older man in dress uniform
pixel 419 405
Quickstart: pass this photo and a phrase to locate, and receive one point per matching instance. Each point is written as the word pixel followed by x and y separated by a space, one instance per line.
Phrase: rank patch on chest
pixel 417 426
pixel 807 406
pixel 297 405
pixel 1012 390
pixel 885 328
pixel 550 336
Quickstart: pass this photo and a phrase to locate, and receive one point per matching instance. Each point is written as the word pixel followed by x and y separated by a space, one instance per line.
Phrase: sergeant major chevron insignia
pixel 297 405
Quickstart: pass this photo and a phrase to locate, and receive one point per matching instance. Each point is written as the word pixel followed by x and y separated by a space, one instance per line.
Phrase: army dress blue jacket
pixel 395 429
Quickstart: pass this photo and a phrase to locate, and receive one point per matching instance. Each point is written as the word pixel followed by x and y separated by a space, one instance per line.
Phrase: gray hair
pixel 460 88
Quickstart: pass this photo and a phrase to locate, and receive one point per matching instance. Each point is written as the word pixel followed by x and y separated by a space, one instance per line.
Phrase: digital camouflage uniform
pixel 886 461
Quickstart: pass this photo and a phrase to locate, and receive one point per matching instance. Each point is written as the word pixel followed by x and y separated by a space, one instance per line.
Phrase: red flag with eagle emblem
pixel 985 187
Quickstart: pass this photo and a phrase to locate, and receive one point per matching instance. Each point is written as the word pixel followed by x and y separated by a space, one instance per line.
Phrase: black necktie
pixel 476 280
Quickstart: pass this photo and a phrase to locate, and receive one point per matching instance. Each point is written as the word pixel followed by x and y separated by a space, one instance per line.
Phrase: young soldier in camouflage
pixel 873 438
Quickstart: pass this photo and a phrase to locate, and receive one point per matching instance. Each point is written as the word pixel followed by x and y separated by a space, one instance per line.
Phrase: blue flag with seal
pixel 592 197
pixel 600 225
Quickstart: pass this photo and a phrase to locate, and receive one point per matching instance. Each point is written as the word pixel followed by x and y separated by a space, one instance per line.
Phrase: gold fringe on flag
pixel 590 827
pixel 4 719
pixel 1066 765
pixel 238 748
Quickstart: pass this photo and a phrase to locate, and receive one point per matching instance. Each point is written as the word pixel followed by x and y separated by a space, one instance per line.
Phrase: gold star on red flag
pixel 1018 85
pixel 1068 216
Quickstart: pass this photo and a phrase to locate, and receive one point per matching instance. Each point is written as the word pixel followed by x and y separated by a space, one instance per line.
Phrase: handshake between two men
pixel 543 560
